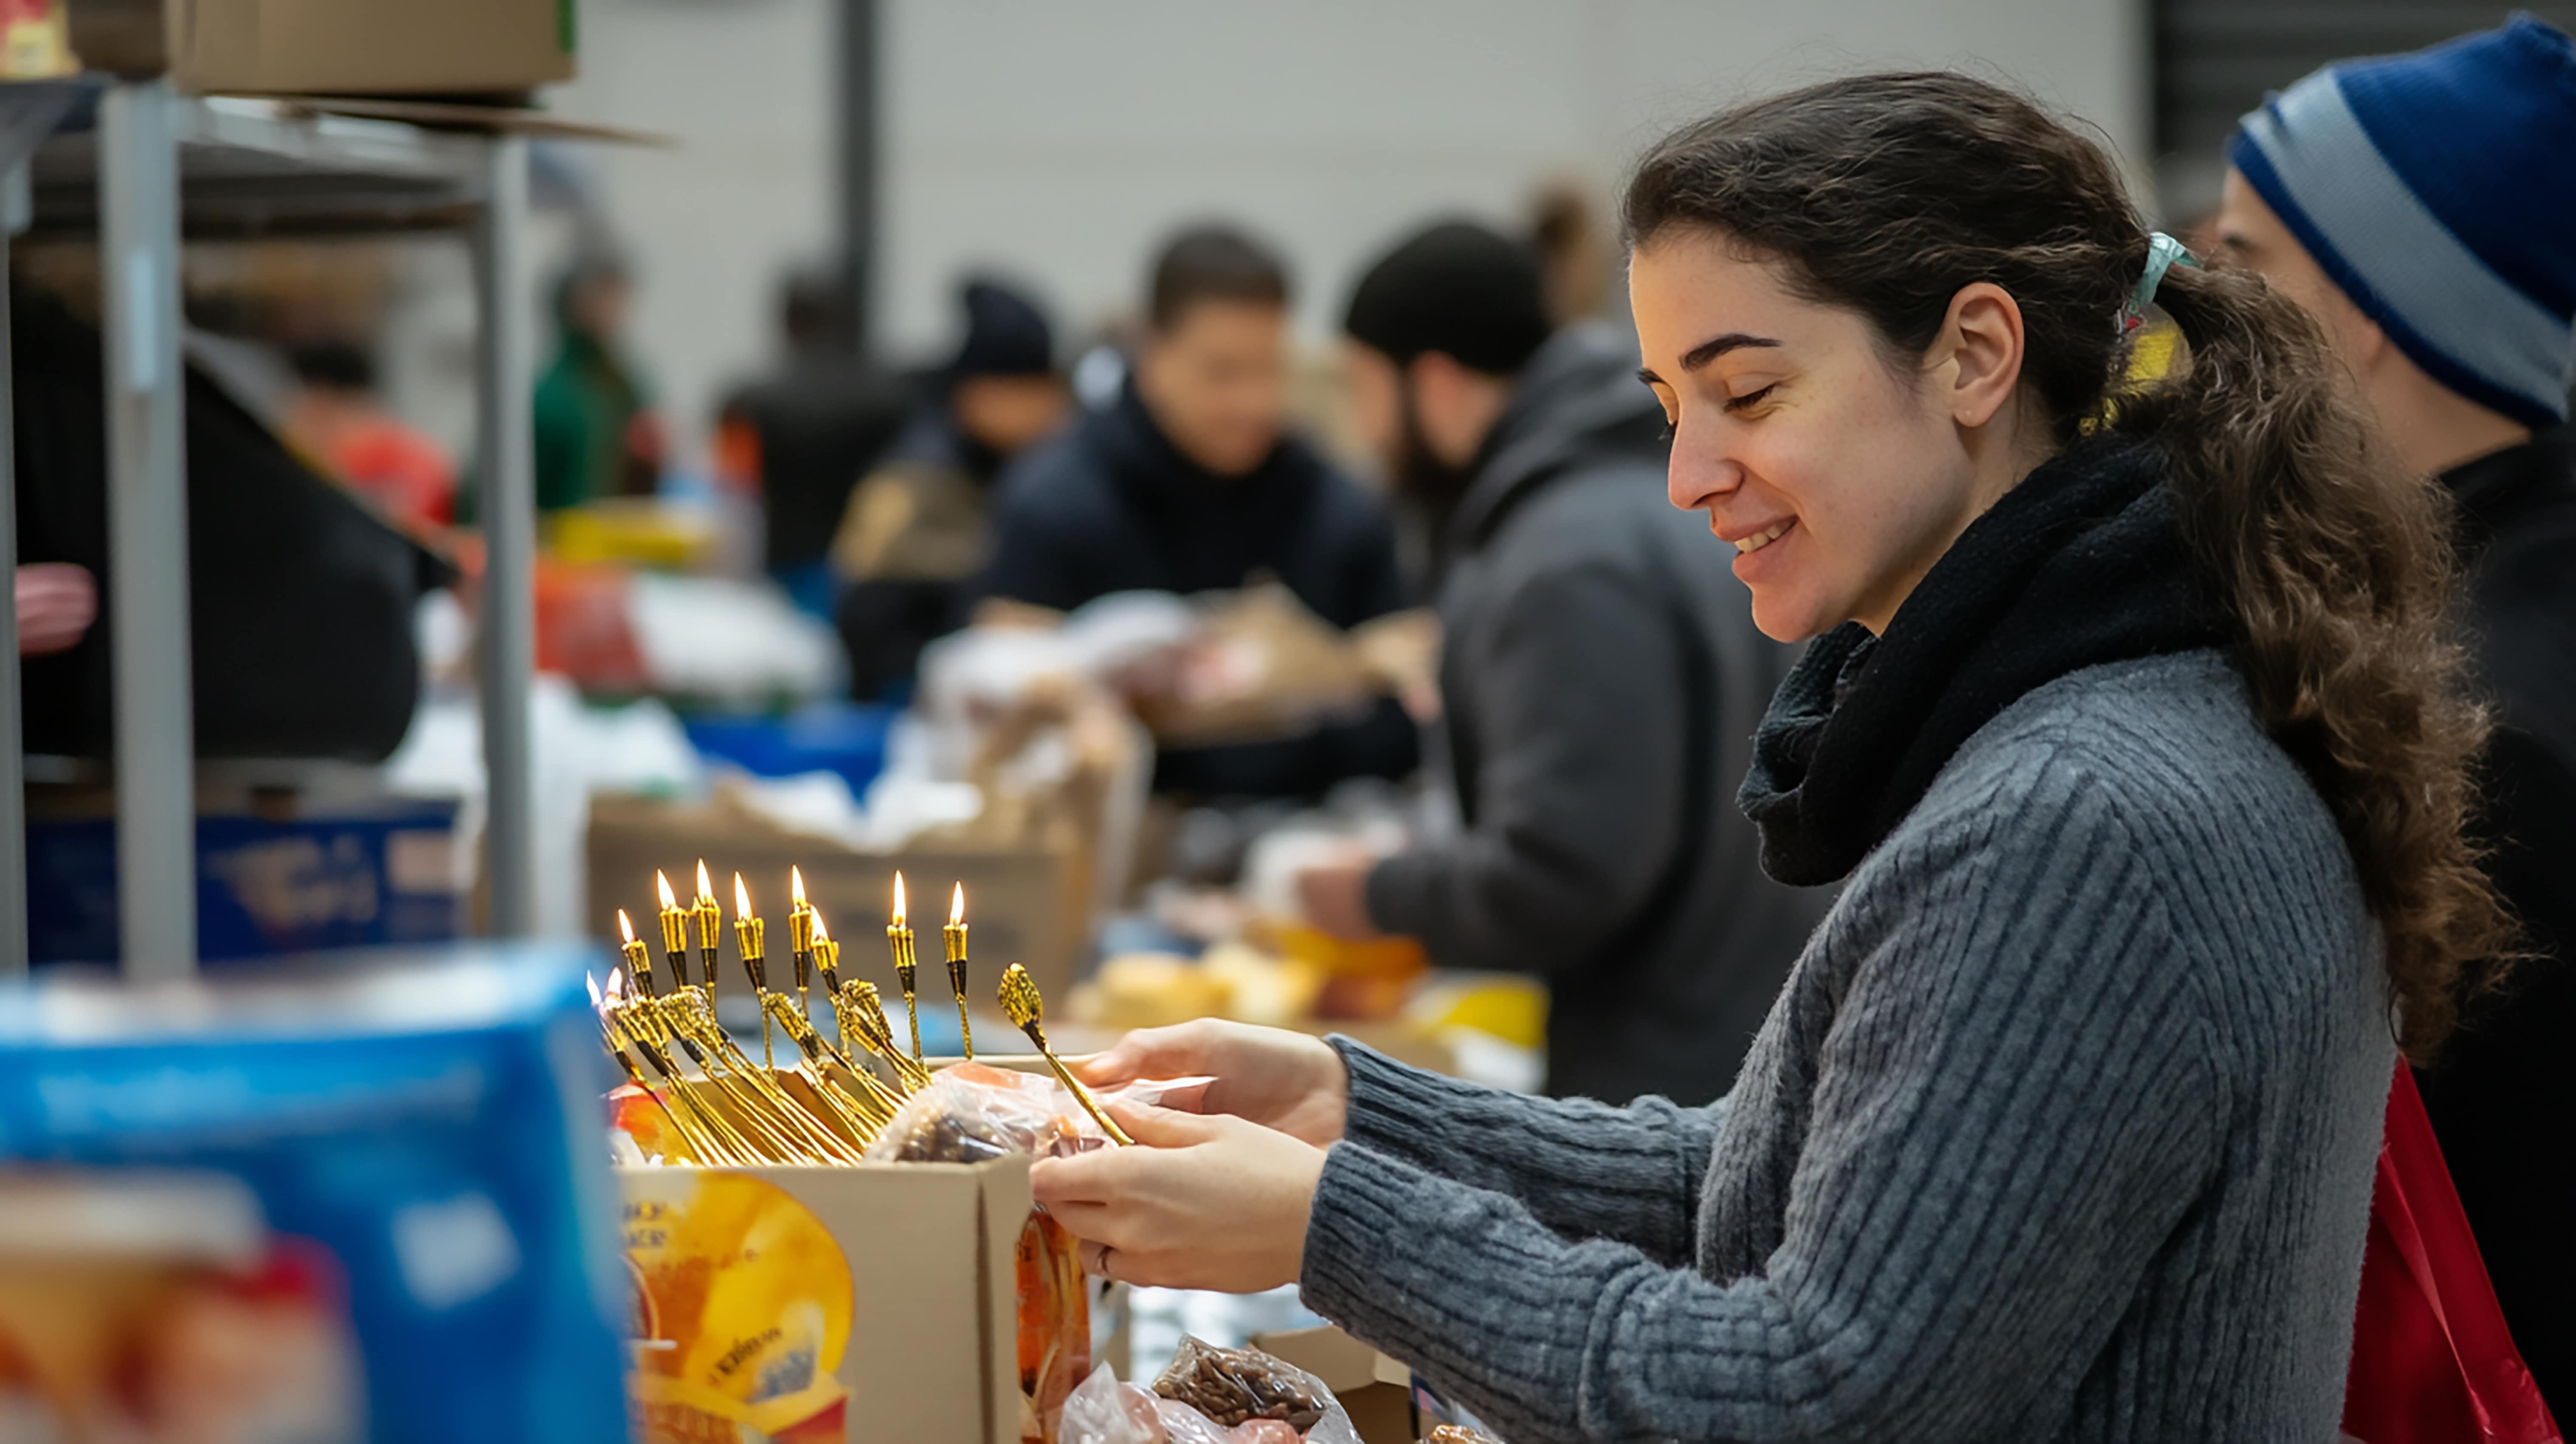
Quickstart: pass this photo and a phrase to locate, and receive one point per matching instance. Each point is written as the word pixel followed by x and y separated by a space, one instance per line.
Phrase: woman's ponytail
pixel 2337 566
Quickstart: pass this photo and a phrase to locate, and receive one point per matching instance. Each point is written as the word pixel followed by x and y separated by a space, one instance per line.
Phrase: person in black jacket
pixel 805 435
pixel 2456 310
pixel 1189 482
pixel 1600 683
pixel 916 531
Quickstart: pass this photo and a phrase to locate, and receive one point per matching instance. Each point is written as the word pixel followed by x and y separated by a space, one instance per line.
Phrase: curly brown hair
pixel 1887 193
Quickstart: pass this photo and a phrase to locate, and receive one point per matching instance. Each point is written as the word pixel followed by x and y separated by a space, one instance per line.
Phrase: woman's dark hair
pixel 1886 194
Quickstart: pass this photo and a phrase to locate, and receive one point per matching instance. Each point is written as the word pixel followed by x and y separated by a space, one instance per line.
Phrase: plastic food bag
pixel 1100 1410
pixel 1103 1411
pixel 971 1112
pixel 1235 1387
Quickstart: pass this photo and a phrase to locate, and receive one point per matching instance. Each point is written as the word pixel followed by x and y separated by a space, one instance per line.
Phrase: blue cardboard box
pixel 419 1143
pixel 368 876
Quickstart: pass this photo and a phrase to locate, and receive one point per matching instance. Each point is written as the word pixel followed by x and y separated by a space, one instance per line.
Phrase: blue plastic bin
pixel 844 737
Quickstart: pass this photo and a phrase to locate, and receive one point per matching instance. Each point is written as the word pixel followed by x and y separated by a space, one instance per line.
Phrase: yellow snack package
pixel 742 1312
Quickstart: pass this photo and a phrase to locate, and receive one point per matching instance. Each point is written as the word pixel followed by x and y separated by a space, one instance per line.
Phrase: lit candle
pixel 636 961
pixel 827 956
pixel 710 928
pixel 800 938
pixel 955 936
pixel 747 933
pixel 899 940
pixel 675 929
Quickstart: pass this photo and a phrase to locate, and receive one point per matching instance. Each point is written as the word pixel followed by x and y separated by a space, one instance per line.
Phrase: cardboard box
pixel 291 880
pixel 931 1349
pixel 1376 1391
pixel 1022 903
pixel 331 47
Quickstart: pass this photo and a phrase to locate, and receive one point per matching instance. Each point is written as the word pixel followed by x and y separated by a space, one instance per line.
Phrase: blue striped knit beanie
pixel 2438 190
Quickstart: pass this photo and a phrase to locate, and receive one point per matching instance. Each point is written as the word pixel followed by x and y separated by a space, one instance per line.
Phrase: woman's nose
pixel 1695 477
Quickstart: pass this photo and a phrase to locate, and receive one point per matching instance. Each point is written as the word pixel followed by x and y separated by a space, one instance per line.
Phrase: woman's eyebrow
pixel 1716 346
pixel 1706 351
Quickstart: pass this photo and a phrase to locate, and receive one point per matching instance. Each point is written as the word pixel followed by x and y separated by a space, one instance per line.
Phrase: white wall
pixel 1060 140
pixel 747 88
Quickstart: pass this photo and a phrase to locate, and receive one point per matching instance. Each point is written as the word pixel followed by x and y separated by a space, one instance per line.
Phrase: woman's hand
pixel 1292 1082
pixel 1204 1202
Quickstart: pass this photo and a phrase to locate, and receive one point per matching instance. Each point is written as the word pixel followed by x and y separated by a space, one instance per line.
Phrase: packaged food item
pixel 1231 1386
pixel 742 1309
pixel 1208 1396
pixel 362 1194
pixel 970 1111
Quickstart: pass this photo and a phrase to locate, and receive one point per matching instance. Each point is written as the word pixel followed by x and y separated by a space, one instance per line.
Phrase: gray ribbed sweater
pixel 2063 1128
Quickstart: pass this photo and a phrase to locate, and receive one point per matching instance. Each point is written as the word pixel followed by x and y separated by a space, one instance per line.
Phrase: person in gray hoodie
pixel 1600 684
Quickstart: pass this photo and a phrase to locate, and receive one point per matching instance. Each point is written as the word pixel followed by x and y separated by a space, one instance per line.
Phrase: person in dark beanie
pixel 1600 683
pixel 1189 482
pixel 803 436
pixel 916 530
pixel 2423 208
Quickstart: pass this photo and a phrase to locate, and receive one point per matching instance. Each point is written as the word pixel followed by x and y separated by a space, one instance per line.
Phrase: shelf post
pixel 13 741
pixel 156 803
pixel 506 632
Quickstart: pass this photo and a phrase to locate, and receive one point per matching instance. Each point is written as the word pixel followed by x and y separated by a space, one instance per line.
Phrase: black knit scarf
pixel 2083 563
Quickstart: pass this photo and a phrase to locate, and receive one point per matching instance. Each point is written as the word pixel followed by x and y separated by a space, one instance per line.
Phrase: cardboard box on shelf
pixel 331 47
pixel 1376 1391
pixel 1023 902
pixel 280 875
pixel 860 1303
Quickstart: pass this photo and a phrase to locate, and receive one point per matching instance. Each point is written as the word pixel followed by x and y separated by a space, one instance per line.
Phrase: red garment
pixel 2432 1362
pixel 399 469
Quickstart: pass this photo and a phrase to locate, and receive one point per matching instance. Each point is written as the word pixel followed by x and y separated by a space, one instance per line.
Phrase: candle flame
pixel 822 934
pixel 741 898
pixel 898 899
pixel 591 981
pixel 795 887
pixel 706 890
pixel 957 906
pixel 616 984
pixel 625 929
pixel 662 880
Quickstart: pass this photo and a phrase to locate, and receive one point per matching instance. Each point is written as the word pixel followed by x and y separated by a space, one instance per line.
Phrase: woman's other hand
pixel 1333 895
pixel 1292 1082
pixel 1203 1201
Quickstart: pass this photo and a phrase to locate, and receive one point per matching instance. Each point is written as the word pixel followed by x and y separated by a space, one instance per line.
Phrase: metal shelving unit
pixel 159 165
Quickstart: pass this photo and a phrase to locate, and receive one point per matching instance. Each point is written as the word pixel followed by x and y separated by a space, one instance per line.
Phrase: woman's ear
pixel 1978 357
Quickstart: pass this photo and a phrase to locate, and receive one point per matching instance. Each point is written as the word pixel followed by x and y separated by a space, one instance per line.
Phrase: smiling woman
pixel 2129 729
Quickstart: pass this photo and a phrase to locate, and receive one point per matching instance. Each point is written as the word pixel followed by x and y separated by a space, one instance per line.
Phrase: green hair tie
pixel 2163 254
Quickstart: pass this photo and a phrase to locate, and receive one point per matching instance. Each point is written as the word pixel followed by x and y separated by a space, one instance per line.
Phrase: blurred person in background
pixel 915 531
pixel 1575 256
pixel 1601 679
pixel 803 436
pixel 2423 209
pixel 1190 482
pixel 336 421
pixel 596 434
